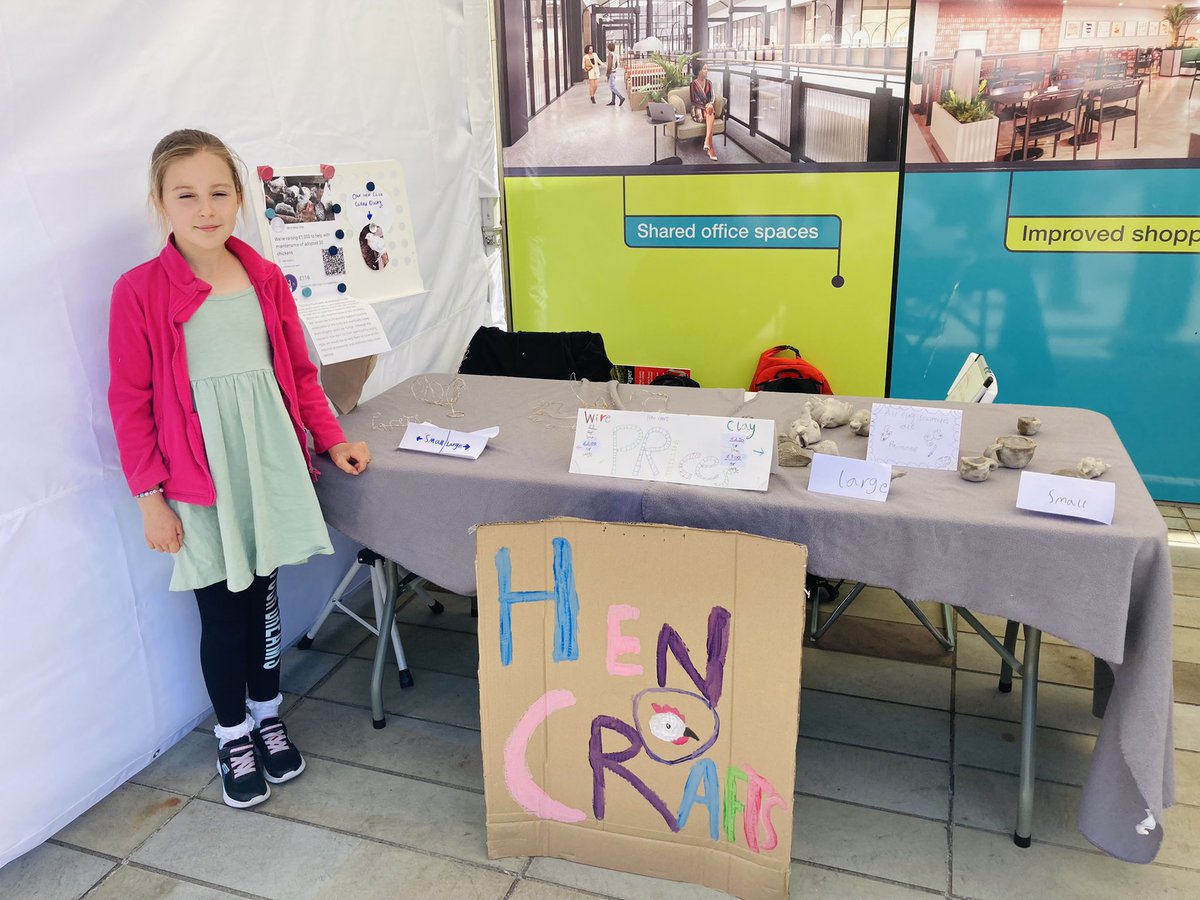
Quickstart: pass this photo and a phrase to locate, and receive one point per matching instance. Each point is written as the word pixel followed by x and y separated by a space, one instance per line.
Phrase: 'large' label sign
pixel 639 688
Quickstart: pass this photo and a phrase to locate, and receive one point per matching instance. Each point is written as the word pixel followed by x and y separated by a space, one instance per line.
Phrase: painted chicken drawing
pixel 668 724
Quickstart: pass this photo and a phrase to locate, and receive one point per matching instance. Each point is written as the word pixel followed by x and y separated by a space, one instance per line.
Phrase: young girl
pixel 211 394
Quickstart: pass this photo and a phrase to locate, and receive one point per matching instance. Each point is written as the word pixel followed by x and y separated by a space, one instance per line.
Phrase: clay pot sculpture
pixel 804 431
pixel 1013 451
pixel 792 453
pixel 1028 425
pixel 1088 467
pixel 860 422
pixel 975 468
pixel 834 413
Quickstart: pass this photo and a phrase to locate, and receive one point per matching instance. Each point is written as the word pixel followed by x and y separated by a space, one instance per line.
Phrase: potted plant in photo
pixel 676 73
pixel 1177 18
pixel 965 128
pixel 916 90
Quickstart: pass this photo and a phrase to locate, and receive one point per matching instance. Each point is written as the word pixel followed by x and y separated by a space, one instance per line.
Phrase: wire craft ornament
pixel 435 393
pixel 655 397
pixel 553 414
pixel 561 414
pixel 391 424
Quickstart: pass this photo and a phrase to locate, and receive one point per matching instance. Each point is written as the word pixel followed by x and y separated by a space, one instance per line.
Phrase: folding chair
pixel 387 585
pixel 975 383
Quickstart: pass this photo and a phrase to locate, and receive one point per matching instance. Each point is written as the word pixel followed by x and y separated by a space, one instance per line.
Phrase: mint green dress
pixel 266 514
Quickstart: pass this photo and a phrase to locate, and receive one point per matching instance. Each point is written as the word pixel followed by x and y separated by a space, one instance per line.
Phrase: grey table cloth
pixel 1106 589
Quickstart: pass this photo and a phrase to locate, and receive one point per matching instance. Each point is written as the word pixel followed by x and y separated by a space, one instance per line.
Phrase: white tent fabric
pixel 98 660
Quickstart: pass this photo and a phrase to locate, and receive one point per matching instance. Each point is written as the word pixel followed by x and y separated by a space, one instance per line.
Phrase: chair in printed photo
pixel 1143 67
pixel 1052 115
pixel 1114 106
pixel 1113 68
pixel 1007 99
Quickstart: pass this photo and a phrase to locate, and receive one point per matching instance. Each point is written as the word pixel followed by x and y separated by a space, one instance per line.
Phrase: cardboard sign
pixel 920 437
pixel 1060 495
pixel 847 477
pixel 708 450
pixel 428 438
pixel 639 688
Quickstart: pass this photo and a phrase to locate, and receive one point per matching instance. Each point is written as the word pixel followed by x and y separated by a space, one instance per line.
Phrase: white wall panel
pixel 98 661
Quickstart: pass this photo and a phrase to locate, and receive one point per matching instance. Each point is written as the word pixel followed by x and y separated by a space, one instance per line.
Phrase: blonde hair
pixel 181 144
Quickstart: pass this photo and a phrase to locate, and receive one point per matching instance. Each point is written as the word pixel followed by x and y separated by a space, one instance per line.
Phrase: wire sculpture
pixel 435 393
pixel 560 414
pixel 391 424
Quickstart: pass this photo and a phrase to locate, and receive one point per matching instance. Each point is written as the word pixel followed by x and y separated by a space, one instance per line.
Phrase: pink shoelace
pixel 242 763
pixel 275 738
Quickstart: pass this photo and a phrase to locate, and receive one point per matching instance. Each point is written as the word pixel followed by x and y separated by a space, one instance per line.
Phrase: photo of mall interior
pixel 1101 80
pixel 792 82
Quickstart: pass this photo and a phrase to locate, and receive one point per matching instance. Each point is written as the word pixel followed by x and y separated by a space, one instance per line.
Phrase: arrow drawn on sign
pixel 759 451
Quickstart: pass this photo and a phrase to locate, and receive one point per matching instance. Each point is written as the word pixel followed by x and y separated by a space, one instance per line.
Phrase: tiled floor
pixel 905 783
pixel 571 131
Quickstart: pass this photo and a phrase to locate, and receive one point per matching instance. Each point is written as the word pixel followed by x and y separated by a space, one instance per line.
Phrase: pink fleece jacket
pixel 150 394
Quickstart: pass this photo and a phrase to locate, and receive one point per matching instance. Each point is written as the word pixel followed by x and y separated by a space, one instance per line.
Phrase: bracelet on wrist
pixel 149 493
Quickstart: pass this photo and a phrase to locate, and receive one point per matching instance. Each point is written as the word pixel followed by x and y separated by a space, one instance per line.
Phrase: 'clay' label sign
pixel 639 688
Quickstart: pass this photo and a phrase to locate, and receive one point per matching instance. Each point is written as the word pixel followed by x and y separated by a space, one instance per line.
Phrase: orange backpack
pixel 789 374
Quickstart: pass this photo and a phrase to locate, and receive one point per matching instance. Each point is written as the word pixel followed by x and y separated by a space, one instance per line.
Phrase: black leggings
pixel 240 640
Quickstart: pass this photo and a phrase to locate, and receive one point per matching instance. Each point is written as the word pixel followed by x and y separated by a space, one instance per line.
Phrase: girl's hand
pixel 164 531
pixel 350 457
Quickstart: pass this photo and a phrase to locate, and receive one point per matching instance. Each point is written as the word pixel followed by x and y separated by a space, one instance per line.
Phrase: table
pixel 655 124
pixel 1106 589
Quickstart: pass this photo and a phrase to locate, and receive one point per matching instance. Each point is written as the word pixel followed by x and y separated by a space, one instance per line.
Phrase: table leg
pixel 1089 136
pixel 948 618
pixel 1022 837
pixel 1010 644
pixel 818 633
pixel 387 612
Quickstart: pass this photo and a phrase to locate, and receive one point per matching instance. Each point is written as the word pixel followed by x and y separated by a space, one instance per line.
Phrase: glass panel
pixel 552 39
pixel 529 98
pixel 537 33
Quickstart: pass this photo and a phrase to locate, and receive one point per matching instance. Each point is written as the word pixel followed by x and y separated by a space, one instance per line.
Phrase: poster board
pixel 713 451
pixel 342 227
pixel 599 643
pixel 338 232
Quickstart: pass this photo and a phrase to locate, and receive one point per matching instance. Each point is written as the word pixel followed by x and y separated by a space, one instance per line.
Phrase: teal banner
pixel 752 232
